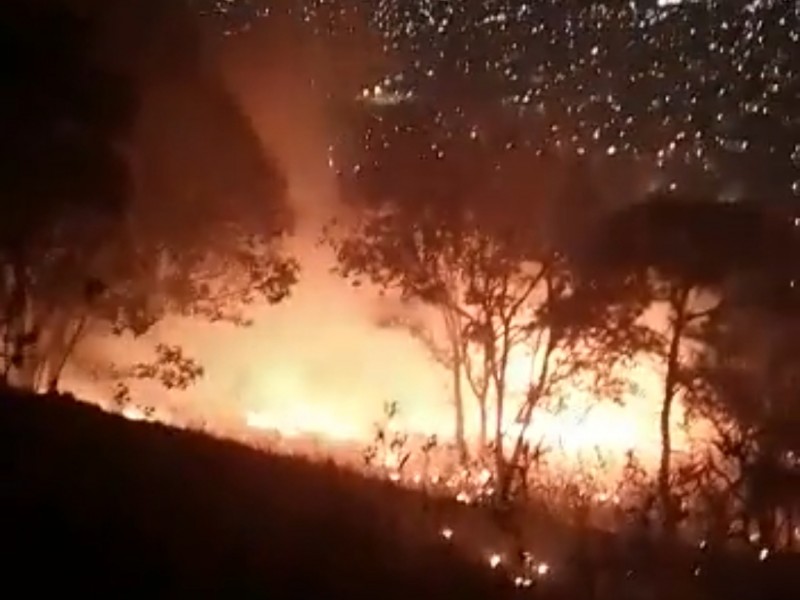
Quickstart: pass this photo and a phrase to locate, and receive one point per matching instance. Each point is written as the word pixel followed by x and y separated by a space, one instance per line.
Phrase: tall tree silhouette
pixel 479 232
pixel 209 210
pixel 139 187
pixel 750 381
pixel 63 172
pixel 679 255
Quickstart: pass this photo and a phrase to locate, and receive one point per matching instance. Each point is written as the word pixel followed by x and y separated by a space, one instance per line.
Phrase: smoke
pixel 316 362
pixel 319 362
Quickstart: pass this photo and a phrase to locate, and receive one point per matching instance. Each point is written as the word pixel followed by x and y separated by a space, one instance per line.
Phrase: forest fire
pixel 581 429
pixel 302 420
pixel 449 280
pixel 581 432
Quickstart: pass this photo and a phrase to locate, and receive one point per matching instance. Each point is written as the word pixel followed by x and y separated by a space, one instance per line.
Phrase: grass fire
pixel 446 299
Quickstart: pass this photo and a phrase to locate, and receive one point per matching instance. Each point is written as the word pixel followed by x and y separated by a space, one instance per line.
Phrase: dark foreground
pixel 92 503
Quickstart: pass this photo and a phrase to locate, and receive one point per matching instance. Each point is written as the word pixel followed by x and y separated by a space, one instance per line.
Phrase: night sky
pixel 706 94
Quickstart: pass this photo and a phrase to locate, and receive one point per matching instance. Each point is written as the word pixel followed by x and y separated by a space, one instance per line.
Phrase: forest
pixel 136 188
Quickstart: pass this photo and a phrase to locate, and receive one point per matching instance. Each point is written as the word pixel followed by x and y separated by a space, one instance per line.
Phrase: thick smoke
pixel 320 362
pixel 317 361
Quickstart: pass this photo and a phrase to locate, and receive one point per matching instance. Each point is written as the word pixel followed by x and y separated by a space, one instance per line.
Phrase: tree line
pixel 514 247
pixel 133 187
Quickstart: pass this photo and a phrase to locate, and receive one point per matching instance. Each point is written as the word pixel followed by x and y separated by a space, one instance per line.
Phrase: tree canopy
pixel 481 232
pixel 700 261
pixel 133 187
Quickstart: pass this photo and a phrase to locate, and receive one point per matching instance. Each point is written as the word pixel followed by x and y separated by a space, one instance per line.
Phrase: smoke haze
pixel 318 362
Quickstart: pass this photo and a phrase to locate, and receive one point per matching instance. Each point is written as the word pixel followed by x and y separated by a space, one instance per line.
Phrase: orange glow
pixel 303 420
pixel 583 430
pixel 318 364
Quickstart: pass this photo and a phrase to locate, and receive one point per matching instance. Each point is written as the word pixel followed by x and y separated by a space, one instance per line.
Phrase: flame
pixel 317 364
pixel 134 413
pixel 580 430
pixel 301 420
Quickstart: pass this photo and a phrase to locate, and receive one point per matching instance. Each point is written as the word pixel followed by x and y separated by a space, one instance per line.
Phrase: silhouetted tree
pixel 751 377
pixel 418 236
pixel 479 232
pixel 679 255
pixel 203 235
pixel 63 175
pixel 479 284
pixel 210 208
pixel 198 205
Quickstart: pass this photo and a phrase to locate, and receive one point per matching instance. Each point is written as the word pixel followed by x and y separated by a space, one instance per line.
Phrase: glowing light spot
pixel 134 413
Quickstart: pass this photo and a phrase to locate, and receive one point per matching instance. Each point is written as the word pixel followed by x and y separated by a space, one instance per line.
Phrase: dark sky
pixel 706 93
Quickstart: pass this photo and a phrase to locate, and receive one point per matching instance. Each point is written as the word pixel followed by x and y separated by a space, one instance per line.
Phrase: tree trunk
pixel 669 510
pixel 458 400
pixel 480 389
pixel 503 468
pixel 458 394
pixel 665 468
pixel 532 399
pixel 791 538
pixel 21 370
pixel 57 362
pixel 483 433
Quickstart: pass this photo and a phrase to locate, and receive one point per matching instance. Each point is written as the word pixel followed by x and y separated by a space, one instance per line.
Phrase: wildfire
pixel 301 420
pixel 580 430
pixel 134 413
pixel 328 380
pixel 317 365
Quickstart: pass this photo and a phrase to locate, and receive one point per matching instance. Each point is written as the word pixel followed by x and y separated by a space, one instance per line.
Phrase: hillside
pixel 94 503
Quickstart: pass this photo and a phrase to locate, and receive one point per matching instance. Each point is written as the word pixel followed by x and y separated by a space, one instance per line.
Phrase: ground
pixel 94 503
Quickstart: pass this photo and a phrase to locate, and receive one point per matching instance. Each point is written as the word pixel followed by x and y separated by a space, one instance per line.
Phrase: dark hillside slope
pixel 93 503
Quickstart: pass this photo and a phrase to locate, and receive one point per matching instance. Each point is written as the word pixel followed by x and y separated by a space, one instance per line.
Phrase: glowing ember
pixel 447 533
pixel 134 413
pixel 523 582
pixel 495 560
